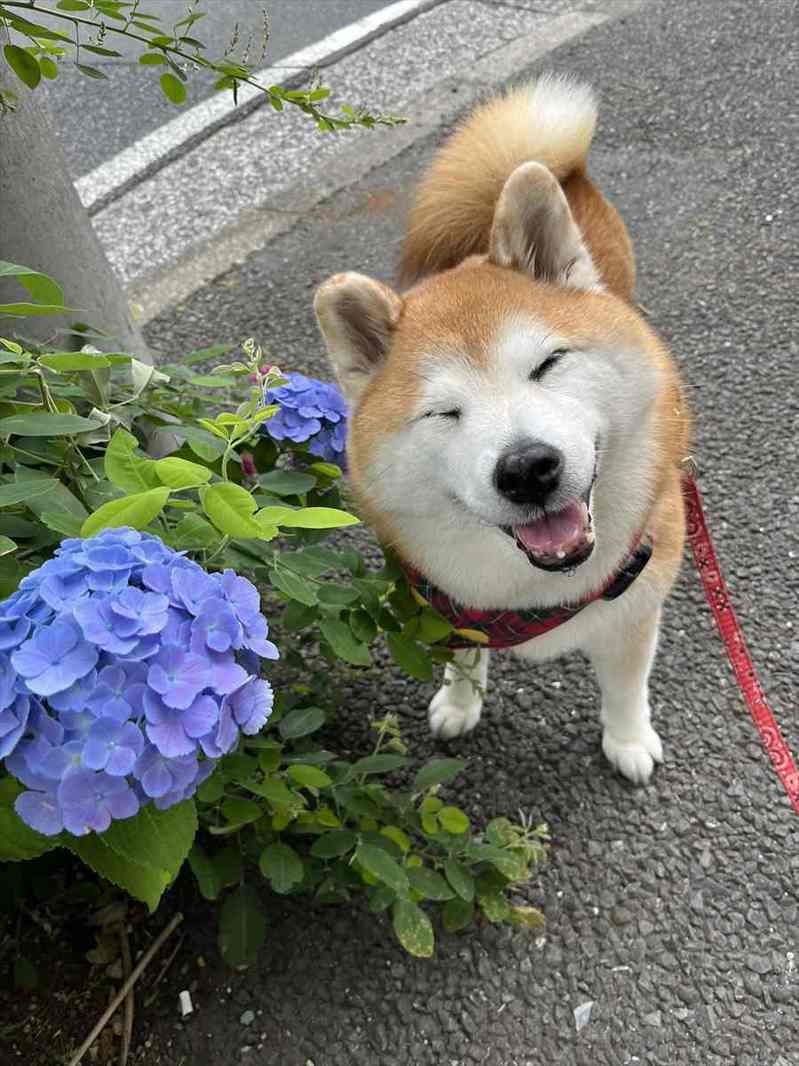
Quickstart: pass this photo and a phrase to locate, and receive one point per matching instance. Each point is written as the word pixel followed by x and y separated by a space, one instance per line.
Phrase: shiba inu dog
pixel 517 427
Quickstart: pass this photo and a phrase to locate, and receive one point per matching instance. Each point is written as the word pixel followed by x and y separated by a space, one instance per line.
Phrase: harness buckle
pixel 689 466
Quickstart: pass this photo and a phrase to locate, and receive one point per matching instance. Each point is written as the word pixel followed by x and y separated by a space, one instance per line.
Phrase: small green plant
pixel 284 807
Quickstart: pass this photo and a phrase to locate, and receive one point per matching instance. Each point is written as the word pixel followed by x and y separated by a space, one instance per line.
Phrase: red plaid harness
pixel 505 629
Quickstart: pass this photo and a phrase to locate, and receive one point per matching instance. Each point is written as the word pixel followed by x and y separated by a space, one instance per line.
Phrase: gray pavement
pixel 96 122
pixel 673 909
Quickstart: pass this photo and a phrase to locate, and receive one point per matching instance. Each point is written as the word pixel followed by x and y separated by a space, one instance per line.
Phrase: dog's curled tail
pixel 549 121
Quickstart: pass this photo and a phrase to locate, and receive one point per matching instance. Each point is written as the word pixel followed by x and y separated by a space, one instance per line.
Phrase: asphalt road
pixel 96 119
pixel 672 909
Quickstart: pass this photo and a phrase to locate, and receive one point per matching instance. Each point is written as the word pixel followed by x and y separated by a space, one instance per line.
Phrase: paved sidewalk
pixel 673 909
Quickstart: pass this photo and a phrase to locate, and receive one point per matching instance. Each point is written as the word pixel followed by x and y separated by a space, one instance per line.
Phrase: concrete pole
pixel 43 225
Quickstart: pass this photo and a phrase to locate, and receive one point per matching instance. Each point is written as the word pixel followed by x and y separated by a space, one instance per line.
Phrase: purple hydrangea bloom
pixel 312 411
pixel 126 671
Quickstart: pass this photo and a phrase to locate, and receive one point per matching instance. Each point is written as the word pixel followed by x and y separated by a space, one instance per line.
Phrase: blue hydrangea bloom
pixel 312 411
pixel 126 671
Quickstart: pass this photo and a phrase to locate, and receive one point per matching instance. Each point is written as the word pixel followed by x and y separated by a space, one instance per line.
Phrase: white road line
pixel 104 183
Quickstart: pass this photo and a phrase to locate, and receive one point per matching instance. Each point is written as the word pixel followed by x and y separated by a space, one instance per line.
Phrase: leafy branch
pixel 177 51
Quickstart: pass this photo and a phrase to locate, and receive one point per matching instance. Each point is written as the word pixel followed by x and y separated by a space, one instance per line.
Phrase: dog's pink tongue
pixel 558 532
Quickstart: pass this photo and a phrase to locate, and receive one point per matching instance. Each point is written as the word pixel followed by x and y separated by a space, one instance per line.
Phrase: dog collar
pixel 506 629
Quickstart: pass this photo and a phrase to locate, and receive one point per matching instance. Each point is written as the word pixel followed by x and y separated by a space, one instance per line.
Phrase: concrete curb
pixel 113 178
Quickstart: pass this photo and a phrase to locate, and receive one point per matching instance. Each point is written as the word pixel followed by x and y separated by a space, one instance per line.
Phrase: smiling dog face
pixel 506 411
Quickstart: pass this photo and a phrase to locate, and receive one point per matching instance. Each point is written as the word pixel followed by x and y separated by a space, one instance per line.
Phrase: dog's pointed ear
pixel 534 231
pixel 357 317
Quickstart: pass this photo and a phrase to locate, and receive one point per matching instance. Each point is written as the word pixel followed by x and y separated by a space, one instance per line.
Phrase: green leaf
pixel 73 5
pixel 48 67
pixel 276 791
pixel 228 865
pixel 334 844
pixel 180 473
pixel 157 839
pixel 294 586
pixel 17 840
pixel 23 64
pixel 23 490
pixel 136 511
pixel 33 29
pixel 173 88
pixel 126 469
pixel 301 722
pixel 509 863
pixel 230 508
pixel 242 927
pixel 41 287
pixel 363 626
pixel 381 763
pixel 433 626
pixel 20 309
pixel 7 545
pixel 62 522
pixel 309 776
pixel 44 424
pixel 204 444
pixel 340 638
pixel 67 361
pixel 460 879
pixel 98 50
pixel 211 381
pixel 379 864
pixel 282 867
pixel 212 789
pixel 205 872
pixel 287 482
pixel 453 820
pixel 494 906
pixel 529 917
pixel 194 532
pixel 91 72
pixel 145 883
pixel 152 59
pixel 298 616
pixel 337 595
pixel 318 518
pixel 311 562
pixel 328 470
pixel 414 929
pixel 239 811
pixel 380 898
pixel 410 657
pixel 429 883
pixel 457 914
pixel 436 772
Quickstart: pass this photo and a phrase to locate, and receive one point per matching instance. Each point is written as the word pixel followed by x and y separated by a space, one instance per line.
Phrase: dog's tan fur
pixel 454 206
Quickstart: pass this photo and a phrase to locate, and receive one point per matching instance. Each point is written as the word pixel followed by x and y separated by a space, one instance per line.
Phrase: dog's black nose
pixel 529 474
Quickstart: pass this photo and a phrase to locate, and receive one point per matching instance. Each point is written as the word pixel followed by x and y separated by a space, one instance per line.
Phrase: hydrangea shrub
pixel 130 702
pixel 126 672
pixel 309 411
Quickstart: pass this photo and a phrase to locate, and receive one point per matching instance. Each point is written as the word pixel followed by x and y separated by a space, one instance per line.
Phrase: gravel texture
pixel 672 910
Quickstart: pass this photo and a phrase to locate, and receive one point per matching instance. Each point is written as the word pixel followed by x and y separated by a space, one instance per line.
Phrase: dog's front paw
pixel 634 756
pixel 449 719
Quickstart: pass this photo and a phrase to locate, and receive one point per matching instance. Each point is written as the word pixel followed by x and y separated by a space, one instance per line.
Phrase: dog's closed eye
pixel 547 364
pixel 454 414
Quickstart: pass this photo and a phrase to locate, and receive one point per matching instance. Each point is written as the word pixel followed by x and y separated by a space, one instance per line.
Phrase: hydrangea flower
pixel 312 411
pixel 126 671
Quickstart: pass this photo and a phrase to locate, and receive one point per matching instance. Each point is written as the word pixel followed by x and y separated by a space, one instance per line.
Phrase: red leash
pixel 718 597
